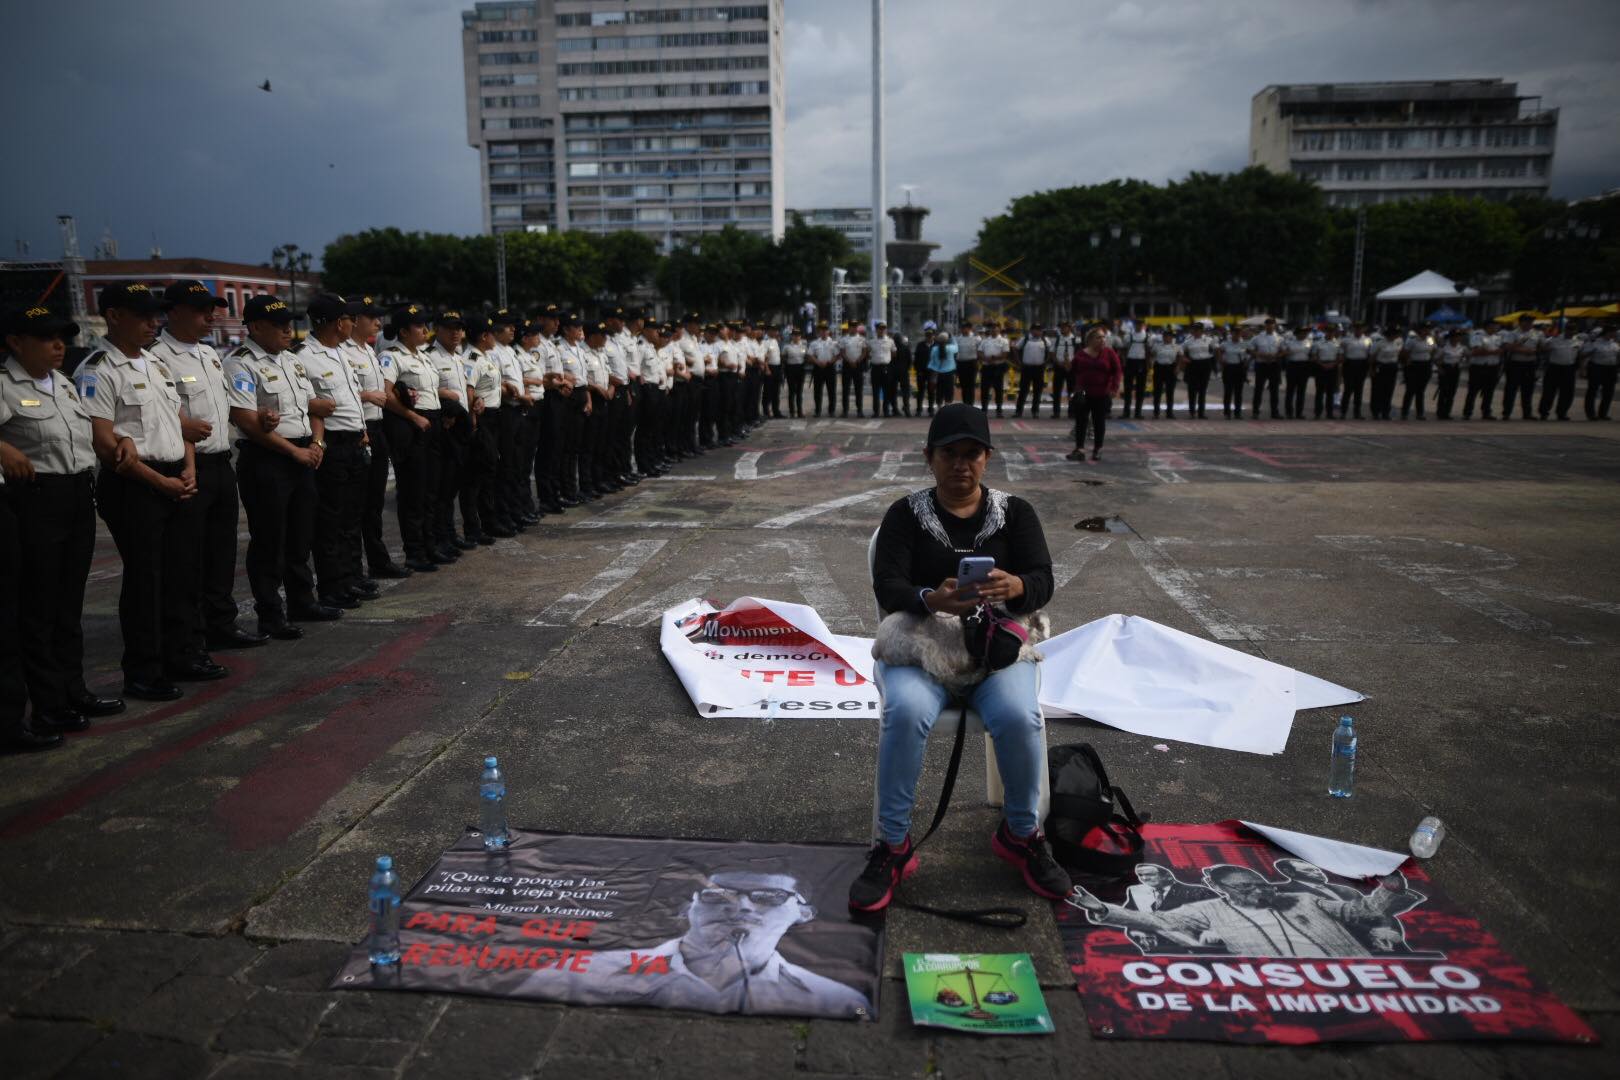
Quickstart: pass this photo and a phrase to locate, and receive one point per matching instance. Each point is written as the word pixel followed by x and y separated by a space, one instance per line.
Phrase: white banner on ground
pixel 767 659
pixel 1335 856
pixel 1141 676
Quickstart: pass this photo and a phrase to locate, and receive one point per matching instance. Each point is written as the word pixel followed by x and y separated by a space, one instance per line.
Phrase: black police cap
pixel 191 294
pixel 128 296
pixel 37 321
pixel 596 328
pixel 451 318
pixel 267 307
pixel 476 325
pixel 328 307
pixel 370 307
pixel 506 317
pixel 411 315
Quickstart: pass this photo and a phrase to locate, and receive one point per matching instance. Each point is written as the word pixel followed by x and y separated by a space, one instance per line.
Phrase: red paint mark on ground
pixel 241 668
pixel 1290 461
pixel 793 457
pixel 388 656
pixel 275 800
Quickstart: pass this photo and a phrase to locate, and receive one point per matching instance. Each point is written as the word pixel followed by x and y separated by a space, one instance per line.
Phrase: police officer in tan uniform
pixel 49 466
pixel 147 470
pixel 373 370
pixel 277 467
pixel 340 482
pixel 411 418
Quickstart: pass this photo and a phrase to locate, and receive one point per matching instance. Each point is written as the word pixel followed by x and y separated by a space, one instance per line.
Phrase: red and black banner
pixel 1220 935
pixel 710 925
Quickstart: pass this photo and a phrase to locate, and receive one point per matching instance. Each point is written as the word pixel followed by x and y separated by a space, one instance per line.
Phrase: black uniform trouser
pixel 1383 389
pixel 340 485
pixel 1296 377
pixel 1327 389
pixel 623 410
pixel 708 410
pixel 13 686
pixel 683 427
pixel 215 514
pixel 1233 376
pixel 1031 377
pixel 478 475
pixel 415 455
pixel 1445 394
pixel 900 382
pixel 728 404
pixel 850 380
pixel 560 441
pixel 510 495
pixel 153 607
pixel 992 382
pixel 882 389
pixel 1060 382
pixel 1481 384
pixel 773 393
pixel 376 493
pixel 649 428
pixel 1092 412
pixel 1198 373
pixel 967 378
pixel 1521 384
pixel 753 382
pixel 1267 373
pixel 822 379
pixel 1135 388
pixel 1355 377
pixel 1557 384
pixel 795 389
pixel 55 537
pixel 455 434
pixel 1164 382
pixel 1599 390
pixel 535 481
pixel 1418 374
pixel 279 495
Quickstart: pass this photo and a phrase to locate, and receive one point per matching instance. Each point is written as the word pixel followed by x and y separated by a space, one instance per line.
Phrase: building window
pixel 503 149
pixel 499 190
pixel 1358 170
pixel 512 212
pixel 651 191
pixel 583 169
pixel 531 189
pixel 1315 140
pixel 621 215
pixel 504 37
pixel 500 59
pixel 536 213
pixel 513 101
pixel 651 213
pixel 502 170
pixel 618 191
pixel 584 191
pixel 1361 140
pixel 582 146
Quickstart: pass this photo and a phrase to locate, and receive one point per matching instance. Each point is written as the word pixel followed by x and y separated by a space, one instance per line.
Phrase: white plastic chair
pixel 953 714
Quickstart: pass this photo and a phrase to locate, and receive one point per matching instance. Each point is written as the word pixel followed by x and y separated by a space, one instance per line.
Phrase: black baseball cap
pixel 327 307
pixel 450 318
pixel 475 325
pixel 267 307
pixel 530 330
pixel 191 294
pixel 370 307
pixel 411 315
pixel 595 328
pixel 39 322
pixel 506 317
pixel 614 312
pixel 129 296
pixel 958 421
pixel 550 311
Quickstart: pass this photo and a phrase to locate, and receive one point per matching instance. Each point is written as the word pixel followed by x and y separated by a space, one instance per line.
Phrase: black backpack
pixel 1086 807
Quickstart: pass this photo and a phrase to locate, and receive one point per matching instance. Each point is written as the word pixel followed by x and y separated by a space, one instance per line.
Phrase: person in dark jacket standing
pixel 1097 374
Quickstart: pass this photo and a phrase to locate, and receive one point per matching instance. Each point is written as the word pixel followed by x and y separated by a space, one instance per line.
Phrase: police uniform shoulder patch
pixel 242 352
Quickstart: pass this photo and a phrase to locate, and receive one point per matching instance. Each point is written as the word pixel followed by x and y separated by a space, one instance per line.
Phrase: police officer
pixel 577 435
pixel 148 469
pixel 1326 355
pixel 18 734
pixel 616 349
pixel 881 361
pixel 1060 358
pixel 411 420
pixel 278 461
pixel 564 383
pixel 340 481
pixel 823 353
pixel 1266 348
pixel 511 503
pixel 691 405
pixel 1199 351
pixel 1600 354
pixel 1137 343
pixel 793 367
pixel 479 517
pixel 1356 349
pixel 1484 368
pixel 49 478
pixel 1296 351
pixel 1387 350
pixel 455 422
pixel 599 424
pixel 1031 352
pixel 1417 359
pixel 1167 359
pixel 1520 349
pixel 649 357
pixel 537 495
pixel 1234 371
pixel 1452 358
pixel 373 371
pixel 210 519
pixel 1559 353
pixel 853 355
pixel 994 352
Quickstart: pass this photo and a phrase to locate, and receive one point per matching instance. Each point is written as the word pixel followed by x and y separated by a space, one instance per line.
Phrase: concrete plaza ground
pixel 178 884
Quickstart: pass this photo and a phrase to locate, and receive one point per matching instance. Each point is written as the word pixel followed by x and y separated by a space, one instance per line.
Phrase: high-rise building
pixel 854 222
pixel 1373 142
pixel 662 116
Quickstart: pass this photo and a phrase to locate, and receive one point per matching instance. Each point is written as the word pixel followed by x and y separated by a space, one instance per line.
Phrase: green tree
pixel 628 260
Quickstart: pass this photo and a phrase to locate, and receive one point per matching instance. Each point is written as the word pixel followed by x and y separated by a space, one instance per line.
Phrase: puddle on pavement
pixel 1091 483
pixel 1109 524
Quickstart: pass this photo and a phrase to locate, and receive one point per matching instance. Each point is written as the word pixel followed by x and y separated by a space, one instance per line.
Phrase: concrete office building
pixel 1366 143
pixel 662 116
pixel 854 222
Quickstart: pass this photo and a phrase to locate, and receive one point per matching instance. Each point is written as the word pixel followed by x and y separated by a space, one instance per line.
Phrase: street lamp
pixel 1114 233
pixel 1238 285
pixel 1571 230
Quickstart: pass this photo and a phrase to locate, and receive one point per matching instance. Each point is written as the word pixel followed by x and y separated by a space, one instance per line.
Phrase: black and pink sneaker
pixel 886 868
pixel 1031 855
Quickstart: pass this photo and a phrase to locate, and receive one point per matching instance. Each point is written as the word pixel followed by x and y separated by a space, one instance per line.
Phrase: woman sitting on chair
pixel 922 657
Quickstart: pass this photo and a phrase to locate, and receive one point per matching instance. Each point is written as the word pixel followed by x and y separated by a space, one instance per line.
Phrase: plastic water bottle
pixel 1342 774
pixel 1427 836
pixel 384 904
pixel 492 816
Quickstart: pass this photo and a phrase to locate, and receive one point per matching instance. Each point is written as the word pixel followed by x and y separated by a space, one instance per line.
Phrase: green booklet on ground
pixel 986 993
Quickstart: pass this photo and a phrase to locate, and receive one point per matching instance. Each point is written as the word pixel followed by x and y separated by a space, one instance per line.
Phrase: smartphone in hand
pixel 972 572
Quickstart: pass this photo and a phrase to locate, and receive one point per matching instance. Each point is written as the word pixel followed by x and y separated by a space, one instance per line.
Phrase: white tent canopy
pixel 1427 286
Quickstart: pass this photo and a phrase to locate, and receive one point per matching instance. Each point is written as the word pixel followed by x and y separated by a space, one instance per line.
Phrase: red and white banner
pixel 767 659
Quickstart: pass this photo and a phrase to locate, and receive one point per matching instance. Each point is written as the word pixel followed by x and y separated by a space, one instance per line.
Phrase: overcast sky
pixel 144 117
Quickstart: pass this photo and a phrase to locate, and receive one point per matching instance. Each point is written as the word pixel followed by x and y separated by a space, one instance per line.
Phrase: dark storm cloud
pixel 145 118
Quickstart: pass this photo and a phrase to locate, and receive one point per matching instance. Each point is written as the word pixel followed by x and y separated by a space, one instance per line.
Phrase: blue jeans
pixel 912 701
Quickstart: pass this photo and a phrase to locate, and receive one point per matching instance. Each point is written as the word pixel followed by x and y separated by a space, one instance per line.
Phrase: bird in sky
pixel 265 86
